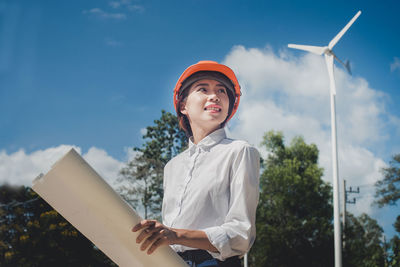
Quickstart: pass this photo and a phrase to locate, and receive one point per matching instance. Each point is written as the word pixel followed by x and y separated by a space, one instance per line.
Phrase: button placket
pixel 188 178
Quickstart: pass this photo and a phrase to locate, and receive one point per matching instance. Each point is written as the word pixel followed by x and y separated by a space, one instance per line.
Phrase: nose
pixel 213 97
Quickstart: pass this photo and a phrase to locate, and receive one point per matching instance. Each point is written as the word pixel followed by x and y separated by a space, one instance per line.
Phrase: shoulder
pixel 240 146
pixel 174 168
pixel 244 161
pixel 176 160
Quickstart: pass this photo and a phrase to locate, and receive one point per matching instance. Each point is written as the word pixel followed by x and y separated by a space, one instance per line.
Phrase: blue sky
pixel 92 74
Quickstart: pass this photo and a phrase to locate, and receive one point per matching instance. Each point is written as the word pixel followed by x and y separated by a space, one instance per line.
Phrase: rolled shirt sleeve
pixel 237 234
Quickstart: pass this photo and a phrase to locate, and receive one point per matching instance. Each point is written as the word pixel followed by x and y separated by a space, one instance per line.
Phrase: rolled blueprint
pixel 83 198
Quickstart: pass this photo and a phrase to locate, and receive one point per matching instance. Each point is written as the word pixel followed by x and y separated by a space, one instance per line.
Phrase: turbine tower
pixel 329 58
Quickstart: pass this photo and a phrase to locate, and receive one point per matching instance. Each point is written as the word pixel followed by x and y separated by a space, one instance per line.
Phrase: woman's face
pixel 206 105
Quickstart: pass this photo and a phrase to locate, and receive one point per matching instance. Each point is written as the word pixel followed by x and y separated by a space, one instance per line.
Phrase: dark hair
pixel 184 123
pixel 183 120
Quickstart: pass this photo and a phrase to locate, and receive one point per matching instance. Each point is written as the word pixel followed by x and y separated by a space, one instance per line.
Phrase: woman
pixel 211 189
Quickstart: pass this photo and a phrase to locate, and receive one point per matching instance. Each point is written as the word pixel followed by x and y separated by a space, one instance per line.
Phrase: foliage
pixel 33 234
pixel 294 215
pixel 388 189
pixel 394 246
pixel 388 193
pixel 394 258
pixel 141 181
pixel 363 242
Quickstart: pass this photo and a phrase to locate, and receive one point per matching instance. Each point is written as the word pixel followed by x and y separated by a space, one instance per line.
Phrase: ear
pixel 183 108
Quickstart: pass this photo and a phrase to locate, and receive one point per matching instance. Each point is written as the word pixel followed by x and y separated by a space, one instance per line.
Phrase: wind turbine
pixel 329 58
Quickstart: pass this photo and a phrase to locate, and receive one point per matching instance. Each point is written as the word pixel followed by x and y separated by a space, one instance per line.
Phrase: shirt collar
pixel 207 142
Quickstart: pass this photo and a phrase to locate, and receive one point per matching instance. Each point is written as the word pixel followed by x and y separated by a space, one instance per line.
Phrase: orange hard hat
pixel 208 65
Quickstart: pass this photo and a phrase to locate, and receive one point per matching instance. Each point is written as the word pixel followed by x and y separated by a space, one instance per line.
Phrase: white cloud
pixel 21 168
pixel 136 8
pixel 126 4
pixel 98 12
pixel 115 4
pixel 143 131
pixel 291 94
pixel 396 122
pixel 104 164
pixel 123 6
pixel 395 65
pixel 113 43
pixel 130 154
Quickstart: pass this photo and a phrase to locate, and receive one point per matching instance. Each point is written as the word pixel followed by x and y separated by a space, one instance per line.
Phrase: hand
pixel 155 234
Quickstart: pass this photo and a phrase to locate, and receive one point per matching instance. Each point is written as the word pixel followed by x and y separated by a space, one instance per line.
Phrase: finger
pixel 138 226
pixel 145 234
pixel 149 231
pixel 153 237
pixel 156 244
pixel 141 236
pixel 143 224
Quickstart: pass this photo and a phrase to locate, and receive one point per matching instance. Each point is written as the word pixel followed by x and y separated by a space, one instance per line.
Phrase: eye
pixel 222 90
pixel 202 89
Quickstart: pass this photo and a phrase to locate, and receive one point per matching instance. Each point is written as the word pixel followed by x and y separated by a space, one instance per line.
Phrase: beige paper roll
pixel 82 197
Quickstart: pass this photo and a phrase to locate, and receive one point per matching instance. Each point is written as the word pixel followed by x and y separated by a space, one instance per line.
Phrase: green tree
pixel 363 242
pixel 388 189
pixel 141 181
pixel 394 254
pixel 388 193
pixel 33 234
pixel 294 215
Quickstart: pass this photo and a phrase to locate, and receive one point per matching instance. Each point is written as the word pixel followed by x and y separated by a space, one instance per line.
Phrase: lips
pixel 214 108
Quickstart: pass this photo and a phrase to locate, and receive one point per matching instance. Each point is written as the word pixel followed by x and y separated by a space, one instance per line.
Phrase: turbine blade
pixel 329 65
pixel 340 34
pixel 319 50
pixel 346 64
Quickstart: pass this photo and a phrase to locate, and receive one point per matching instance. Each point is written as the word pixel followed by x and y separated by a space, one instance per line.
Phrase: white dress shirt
pixel 214 187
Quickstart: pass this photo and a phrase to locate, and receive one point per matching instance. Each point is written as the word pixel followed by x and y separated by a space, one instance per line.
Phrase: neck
pixel 200 133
